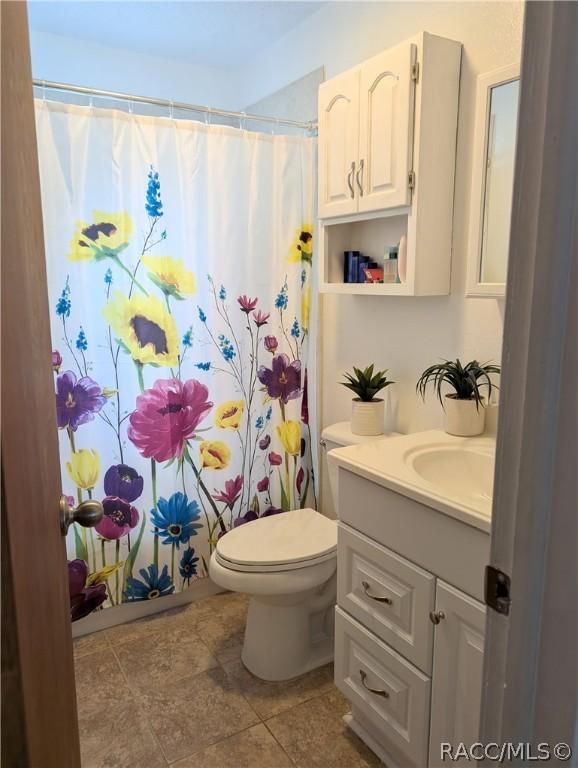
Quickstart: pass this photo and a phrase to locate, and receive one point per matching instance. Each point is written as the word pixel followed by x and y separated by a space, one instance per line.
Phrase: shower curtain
pixel 179 260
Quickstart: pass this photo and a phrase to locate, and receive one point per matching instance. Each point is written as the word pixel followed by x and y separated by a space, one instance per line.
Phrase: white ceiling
pixel 213 34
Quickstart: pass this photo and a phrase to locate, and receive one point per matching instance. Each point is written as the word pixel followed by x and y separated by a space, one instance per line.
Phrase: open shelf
pixel 370 236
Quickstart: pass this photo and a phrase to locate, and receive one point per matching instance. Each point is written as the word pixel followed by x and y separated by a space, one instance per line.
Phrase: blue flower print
pixel 81 341
pixel 152 585
pixel 203 366
pixel 295 330
pixel 281 300
pixel 175 519
pixel 108 276
pixel 153 205
pixel 222 293
pixel 64 304
pixel 259 423
pixel 188 338
pixel 202 316
pixel 188 565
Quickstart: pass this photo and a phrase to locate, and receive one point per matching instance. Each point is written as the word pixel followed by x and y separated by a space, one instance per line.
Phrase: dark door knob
pixel 88 514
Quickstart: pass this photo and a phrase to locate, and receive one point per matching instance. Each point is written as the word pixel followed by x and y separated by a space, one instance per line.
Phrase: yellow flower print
pixel 305 307
pixel 106 235
pixel 84 468
pixel 302 246
pixel 171 276
pixel 290 435
pixel 229 414
pixel 144 327
pixel 214 454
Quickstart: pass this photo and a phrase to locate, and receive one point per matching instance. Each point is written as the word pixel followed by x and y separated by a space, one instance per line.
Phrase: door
pixel 386 110
pixel 338 144
pixel 457 671
pixel 39 725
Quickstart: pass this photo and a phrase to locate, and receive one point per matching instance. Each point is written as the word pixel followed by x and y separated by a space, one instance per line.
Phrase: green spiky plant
pixel 465 380
pixel 366 384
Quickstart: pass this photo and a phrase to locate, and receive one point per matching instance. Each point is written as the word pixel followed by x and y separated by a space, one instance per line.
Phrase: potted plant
pixel 367 409
pixel 464 407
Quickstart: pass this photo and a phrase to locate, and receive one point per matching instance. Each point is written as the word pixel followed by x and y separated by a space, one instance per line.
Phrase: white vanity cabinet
pixel 409 624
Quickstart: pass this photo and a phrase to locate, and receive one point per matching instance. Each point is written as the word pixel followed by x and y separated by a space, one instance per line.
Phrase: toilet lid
pixel 297 536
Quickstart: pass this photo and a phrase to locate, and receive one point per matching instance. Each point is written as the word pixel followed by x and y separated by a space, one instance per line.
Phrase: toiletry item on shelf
pixel 350 266
pixel 374 274
pixel 390 274
pixel 402 259
pixel 363 263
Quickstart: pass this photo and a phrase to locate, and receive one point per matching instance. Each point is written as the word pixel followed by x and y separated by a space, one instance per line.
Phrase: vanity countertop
pixel 453 475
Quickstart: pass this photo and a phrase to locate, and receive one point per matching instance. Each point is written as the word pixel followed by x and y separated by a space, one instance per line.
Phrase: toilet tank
pixel 336 436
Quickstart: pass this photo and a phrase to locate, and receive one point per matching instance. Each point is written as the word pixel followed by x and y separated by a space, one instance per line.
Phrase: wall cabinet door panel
pixel 338 144
pixel 457 671
pixel 386 111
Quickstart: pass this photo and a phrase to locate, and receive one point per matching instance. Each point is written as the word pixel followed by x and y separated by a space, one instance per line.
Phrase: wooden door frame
pixel 531 664
pixel 39 720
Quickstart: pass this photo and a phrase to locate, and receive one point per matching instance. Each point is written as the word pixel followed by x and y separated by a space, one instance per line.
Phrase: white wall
pixel 69 60
pixel 401 334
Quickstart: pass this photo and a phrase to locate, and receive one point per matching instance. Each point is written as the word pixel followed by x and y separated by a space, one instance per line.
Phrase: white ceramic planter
pixel 367 417
pixel 462 418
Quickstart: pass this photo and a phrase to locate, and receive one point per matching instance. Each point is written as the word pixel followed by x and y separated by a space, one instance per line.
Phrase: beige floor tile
pixel 163 657
pixel 96 641
pixel 269 699
pixel 158 622
pixel 118 737
pixel 314 735
pixel 99 682
pixel 196 712
pixel 222 627
pixel 253 748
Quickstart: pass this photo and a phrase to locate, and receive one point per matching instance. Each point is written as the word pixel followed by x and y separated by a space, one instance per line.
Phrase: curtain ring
pixel 44 90
pixel 170 110
pixel 242 119
pixel 91 99
pixel 130 106
pixel 208 116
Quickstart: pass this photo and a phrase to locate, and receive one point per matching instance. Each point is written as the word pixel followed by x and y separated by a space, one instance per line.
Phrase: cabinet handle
pixel 359 177
pixel 323 443
pixel 436 616
pixel 363 676
pixel 350 176
pixel 366 589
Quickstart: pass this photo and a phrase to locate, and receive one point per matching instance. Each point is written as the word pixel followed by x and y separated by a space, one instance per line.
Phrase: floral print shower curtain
pixel 179 261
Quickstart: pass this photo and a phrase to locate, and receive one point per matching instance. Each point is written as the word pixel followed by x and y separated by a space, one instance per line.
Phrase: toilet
pixel 287 564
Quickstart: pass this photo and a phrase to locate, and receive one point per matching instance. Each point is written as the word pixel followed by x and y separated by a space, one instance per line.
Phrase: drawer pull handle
pixel 436 616
pixel 366 589
pixel 363 676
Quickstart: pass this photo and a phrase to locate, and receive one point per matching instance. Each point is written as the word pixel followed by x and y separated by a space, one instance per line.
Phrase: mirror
pixel 493 180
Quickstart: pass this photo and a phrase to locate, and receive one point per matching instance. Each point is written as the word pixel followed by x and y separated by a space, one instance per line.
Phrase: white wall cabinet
pixel 387 143
pixel 409 644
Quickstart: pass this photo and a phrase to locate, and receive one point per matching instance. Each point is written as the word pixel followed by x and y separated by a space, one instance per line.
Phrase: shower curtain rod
pixel 310 125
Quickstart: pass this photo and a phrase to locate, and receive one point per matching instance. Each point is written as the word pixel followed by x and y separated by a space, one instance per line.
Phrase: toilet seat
pixel 289 541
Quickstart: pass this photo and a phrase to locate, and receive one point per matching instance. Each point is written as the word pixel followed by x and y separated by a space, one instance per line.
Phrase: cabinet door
pixel 338 144
pixel 457 671
pixel 386 96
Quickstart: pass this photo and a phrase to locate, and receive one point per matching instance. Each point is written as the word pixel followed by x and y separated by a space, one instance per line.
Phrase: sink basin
pixel 453 471
pixel 454 475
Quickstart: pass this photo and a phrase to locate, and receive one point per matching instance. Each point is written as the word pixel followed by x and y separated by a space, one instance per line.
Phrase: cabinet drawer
pixel 389 595
pixel 398 706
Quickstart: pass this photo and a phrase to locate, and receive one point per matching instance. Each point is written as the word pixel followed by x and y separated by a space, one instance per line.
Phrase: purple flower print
pixel 260 318
pixel 275 459
pixel 56 360
pixel 263 484
pixel 124 482
pixel 119 518
pixel 271 344
pixel 283 379
pixel 77 400
pixel 83 599
pixel 248 517
pixel 272 511
pixel 265 442
pixel 247 305
pixel 232 491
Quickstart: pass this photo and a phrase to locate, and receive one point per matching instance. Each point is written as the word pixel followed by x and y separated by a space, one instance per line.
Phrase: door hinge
pixel 411 179
pixel 415 72
pixel 497 590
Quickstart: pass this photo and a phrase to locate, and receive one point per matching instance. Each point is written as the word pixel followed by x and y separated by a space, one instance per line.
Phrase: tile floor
pixel 171 690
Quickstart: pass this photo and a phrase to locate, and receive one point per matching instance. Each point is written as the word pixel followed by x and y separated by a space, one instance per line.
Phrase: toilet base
pixel 285 638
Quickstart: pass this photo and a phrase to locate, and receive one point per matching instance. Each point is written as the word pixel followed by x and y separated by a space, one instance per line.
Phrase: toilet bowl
pixel 286 563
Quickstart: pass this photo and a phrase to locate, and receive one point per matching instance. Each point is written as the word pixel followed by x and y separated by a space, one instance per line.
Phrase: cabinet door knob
pixel 376 691
pixel 359 177
pixel 436 616
pixel 367 588
pixel 350 176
